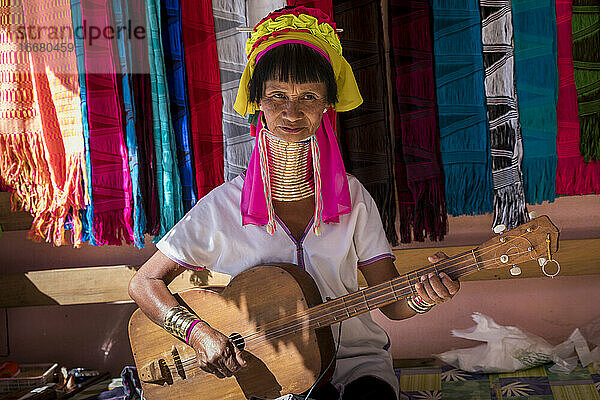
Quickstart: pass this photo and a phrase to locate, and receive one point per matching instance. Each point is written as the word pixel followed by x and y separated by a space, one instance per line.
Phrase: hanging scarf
pixel 23 163
pixel 237 142
pixel 256 9
pixel 111 181
pixel 168 183
pixel 121 16
pixel 586 59
pixel 365 133
pixel 177 84
pixel 87 215
pixel 204 88
pixel 505 133
pixel 144 128
pixel 573 175
pixel 419 180
pixel 464 139
pixel 56 86
pixel 537 90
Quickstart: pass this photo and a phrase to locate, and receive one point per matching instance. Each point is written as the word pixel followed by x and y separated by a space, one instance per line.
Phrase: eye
pixel 309 96
pixel 278 95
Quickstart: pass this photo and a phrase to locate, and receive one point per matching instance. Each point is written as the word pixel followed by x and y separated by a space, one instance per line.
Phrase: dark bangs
pixel 292 62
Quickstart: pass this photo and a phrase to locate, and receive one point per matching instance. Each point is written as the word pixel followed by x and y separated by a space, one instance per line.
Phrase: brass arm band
pixel 178 322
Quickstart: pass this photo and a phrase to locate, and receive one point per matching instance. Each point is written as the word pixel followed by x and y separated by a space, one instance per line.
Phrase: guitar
pixel 275 315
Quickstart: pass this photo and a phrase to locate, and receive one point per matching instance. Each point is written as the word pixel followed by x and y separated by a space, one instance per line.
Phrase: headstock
pixel 534 240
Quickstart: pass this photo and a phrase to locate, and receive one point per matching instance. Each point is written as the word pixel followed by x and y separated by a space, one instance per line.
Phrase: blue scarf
pixel 464 138
pixel 177 83
pixel 168 183
pixel 536 74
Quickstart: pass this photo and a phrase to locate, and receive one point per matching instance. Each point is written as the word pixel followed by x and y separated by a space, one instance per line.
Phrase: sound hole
pixel 238 341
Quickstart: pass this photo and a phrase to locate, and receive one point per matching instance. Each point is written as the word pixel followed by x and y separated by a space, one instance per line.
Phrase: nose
pixel 292 110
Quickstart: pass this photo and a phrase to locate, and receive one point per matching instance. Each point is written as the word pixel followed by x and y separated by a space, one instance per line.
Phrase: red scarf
pixel 573 175
pixel 204 89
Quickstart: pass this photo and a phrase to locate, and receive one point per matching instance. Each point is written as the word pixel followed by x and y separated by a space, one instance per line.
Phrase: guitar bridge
pixel 156 372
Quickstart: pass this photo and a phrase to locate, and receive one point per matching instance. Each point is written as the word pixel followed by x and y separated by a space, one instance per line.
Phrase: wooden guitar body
pixel 276 365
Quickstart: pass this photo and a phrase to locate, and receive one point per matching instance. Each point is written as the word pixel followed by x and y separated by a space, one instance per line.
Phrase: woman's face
pixel 293 111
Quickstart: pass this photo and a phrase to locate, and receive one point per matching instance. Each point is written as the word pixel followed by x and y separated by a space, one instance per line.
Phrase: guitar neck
pixel 380 295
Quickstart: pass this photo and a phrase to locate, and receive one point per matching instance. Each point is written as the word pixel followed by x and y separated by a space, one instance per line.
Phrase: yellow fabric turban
pixel 347 90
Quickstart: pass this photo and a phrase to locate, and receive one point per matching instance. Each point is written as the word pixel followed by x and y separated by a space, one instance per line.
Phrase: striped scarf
pixel 237 142
pixel 111 181
pixel 419 180
pixel 167 174
pixel 87 215
pixel 364 133
pixel 41 140
pixel 586 59
pixel 177 84
pixel 464 139
pixel 505 133
pixel 534 25
pixel 573 175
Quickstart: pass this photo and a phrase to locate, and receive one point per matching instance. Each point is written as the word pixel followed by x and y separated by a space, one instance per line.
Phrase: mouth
pixel 288 129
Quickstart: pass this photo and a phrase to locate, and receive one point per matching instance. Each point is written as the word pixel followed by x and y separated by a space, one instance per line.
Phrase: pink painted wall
pixel 95 335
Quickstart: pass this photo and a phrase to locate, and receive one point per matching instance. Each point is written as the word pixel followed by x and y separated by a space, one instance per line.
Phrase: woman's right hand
pixel 216 354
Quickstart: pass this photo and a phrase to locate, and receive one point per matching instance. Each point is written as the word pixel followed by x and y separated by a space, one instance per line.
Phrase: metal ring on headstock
pixel 557 268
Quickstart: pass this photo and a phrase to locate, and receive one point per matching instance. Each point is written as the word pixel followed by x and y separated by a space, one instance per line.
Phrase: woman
pixel 297 205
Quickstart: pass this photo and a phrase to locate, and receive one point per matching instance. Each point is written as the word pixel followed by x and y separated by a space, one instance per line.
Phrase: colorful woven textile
pixel 537 90
pixel 49 137
pixel 111 181
pixel 177 84
pixel 23 164
pixel 464 138
pixel 364 133
pixel 144 125
pixel 449 383
pixel 204 88
pixel 237 142
pixel 168 183
pixel 419 180
pixel 87 215
pixel 120 17
pixel 505 133
pixel 586 60
pixel 574 176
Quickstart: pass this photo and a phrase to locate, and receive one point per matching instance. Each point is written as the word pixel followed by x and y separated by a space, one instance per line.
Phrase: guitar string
pixel 270 336
pixel 430 268
pixel 259 337
pixel 250 341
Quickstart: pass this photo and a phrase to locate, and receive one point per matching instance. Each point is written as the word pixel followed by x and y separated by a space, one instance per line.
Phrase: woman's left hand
pixel 436 289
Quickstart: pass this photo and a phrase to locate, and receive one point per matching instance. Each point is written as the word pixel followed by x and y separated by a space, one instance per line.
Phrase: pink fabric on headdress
pixel 312 46
pixel 334 189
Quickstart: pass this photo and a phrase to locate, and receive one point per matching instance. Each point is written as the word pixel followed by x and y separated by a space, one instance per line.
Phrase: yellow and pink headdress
pixel 313 28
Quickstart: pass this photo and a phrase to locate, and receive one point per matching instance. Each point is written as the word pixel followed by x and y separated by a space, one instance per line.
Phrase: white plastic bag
pixel 507 348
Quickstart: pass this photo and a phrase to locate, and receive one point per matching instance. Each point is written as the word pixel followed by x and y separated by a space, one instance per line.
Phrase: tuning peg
pixel 533 214
pixel 499 228
pixel 514 271
pixel 542 261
